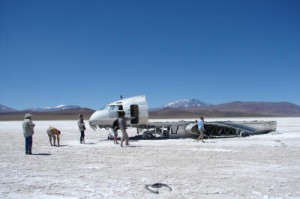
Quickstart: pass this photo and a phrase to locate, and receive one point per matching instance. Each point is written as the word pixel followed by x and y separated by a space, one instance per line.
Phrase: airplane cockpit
pixel 113 107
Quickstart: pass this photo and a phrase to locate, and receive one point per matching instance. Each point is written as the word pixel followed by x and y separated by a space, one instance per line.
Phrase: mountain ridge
pixel 53 108
pixel 181 109
pixel 6 109
pixel 184 103
pixel 231 109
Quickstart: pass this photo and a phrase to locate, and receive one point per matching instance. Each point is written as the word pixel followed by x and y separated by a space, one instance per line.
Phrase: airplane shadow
pixel 132 139
pixel 140 137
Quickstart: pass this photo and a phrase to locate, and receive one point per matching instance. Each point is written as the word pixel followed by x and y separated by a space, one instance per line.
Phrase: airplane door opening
pixel 134 112
pixel 120 109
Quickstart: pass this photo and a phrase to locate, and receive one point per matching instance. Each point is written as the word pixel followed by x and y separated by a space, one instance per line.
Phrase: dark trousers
pixel 28 145
pixel 82 137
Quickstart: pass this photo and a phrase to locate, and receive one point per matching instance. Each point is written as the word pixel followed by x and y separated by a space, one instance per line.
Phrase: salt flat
pixel 262 166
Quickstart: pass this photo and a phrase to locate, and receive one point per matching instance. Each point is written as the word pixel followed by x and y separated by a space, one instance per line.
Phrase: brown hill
pixel 54 115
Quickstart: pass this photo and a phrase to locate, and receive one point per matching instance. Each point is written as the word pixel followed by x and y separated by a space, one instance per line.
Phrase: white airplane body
pixel 136 108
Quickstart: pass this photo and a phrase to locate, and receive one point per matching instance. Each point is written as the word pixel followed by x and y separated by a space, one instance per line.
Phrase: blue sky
pixel 88 53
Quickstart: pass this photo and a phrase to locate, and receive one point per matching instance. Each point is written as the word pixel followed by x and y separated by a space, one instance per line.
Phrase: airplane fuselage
pixel 134 107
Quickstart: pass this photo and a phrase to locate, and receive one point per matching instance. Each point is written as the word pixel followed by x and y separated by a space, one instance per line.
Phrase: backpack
pixel 115 125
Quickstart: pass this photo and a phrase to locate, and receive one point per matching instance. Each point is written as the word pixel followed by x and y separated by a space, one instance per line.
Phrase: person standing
pixel 201 128
pixel 123 126
pixel 81 127
pixel 115 128
pixel 28 132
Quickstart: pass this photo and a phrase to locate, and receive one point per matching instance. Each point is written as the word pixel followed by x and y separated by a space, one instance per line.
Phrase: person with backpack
pixel 115 129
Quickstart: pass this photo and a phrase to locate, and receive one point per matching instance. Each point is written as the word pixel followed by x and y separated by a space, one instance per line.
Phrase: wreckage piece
pixel 154 187
pixel 136 110
pixel 239 128
pixel 217 129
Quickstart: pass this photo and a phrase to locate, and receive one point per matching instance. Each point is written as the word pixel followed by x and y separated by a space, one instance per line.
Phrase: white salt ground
pixel 263 166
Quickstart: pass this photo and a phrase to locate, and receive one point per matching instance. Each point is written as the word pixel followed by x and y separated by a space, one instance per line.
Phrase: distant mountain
pixel 267 108
pixel 5 109
pixel 194 108
pixel 53 108
pixel 186 103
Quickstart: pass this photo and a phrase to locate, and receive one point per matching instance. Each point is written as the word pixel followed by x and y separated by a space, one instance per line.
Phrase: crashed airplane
pixel 137 108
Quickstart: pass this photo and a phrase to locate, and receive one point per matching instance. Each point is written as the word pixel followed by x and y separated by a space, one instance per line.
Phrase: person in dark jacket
pixel 28 132
pixel 115 128
pixel 81 127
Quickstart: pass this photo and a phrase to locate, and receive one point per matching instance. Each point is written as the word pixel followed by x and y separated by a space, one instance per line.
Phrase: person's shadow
pixel 43 154
pixel 133 146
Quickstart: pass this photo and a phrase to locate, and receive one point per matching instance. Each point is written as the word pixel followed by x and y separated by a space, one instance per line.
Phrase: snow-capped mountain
pixel 54 108
pixel 185 103
pixel 5 109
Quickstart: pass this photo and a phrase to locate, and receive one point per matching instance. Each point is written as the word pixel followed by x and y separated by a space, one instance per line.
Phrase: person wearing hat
pixel 28 132
pixel 53 133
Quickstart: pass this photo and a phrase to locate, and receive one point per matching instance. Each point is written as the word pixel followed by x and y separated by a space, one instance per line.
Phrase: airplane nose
pixel 92 125
pixel 92 121
pixel 98 118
